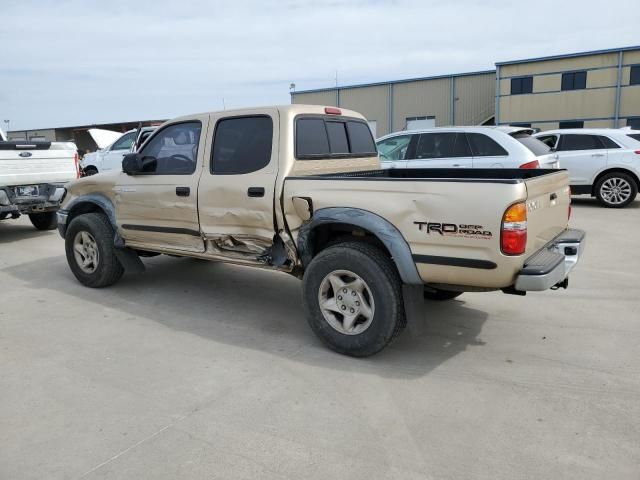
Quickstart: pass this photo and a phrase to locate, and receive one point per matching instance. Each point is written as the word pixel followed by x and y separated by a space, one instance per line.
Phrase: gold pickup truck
pixel 299 189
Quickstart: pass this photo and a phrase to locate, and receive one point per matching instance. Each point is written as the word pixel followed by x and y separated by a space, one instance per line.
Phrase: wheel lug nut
pixel 357 304
pixel 353 293
pixel 343 307
pixel 344 290
pixel 351 310
pixel 339 297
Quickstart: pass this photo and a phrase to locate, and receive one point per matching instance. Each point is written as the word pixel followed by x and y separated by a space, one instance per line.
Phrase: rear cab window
pixel 325 137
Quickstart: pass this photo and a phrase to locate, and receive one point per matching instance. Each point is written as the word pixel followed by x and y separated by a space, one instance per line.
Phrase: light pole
pixel 7 122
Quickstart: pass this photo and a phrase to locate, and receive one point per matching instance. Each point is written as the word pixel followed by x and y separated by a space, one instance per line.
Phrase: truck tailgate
pixel 24 166
pixel 548 203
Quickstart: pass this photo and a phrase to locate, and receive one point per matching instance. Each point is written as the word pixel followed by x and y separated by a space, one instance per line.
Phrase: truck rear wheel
pixel 44 221
pixel 353 298
pixel 90 251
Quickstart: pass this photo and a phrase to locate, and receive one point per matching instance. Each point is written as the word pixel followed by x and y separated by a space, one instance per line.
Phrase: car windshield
pixel 532 143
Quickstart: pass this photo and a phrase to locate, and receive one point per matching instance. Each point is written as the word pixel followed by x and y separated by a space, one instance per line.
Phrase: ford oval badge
pixel 25 154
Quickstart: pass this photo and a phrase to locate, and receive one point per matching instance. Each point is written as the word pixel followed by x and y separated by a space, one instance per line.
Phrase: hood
pixel 103 138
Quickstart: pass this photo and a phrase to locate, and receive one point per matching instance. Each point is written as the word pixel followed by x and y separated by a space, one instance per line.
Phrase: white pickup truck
pixel 32 179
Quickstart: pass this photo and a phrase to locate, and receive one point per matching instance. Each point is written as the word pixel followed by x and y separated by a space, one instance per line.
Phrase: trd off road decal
pixel 454 229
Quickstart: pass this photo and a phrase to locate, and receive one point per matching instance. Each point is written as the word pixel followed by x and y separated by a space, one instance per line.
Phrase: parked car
pixel 603 163
pixel 110 157
pixel 32 177
pixel 465 147
pixel 299 189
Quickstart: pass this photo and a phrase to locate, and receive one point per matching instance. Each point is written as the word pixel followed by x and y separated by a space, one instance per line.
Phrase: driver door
pixel 157 209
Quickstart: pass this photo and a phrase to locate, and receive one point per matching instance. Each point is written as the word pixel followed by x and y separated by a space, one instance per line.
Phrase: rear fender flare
pixel 387 233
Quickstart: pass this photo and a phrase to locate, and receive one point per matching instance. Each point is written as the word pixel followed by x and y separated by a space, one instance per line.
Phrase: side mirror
pixel 132 164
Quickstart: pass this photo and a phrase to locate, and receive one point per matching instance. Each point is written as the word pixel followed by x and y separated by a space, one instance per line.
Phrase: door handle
pixel 183 191
pixel 255 192
pixel 553 196
pixel 597 154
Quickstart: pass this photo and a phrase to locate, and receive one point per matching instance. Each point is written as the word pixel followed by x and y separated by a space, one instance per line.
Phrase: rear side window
pixel 442 145
pixel 484 146
pixel 533 144
pixel 608 143
pixel 241 145
pixel 580 142
pixel 320 137
pixel 635 136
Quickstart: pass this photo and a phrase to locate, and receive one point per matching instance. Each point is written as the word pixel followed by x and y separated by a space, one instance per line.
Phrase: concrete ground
pixel 202 370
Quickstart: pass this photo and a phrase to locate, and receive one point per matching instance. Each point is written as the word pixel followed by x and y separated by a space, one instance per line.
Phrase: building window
pixel 572 124
pixel 574 80
pixel 415 123
pixel 521 85
pixel 634 123
pixel 634 77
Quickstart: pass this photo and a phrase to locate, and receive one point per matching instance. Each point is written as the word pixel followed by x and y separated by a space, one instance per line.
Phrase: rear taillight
pixel 637 152
pixel 534 164
pixel 76 160
pixel 513 234
pixel 332 111
pixel 569 217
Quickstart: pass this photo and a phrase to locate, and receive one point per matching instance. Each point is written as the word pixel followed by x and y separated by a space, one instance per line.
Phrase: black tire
pixel 381 277
pixel 621 177
pixel 108 269
pixel 44 221
pixel 87 172
pixel 3 215
pixel 441 295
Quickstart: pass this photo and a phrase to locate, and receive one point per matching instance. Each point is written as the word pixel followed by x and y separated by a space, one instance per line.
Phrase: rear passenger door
pixel 487 153
pixel 236 190
pixel 583 155
pixel 440 150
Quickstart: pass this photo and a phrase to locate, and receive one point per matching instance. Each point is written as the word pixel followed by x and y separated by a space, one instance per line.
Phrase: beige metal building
pixel 459 99
pixel 588 89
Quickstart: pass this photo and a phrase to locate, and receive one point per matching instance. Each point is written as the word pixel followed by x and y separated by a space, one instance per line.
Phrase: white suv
pixel 465 147
pixel 110 158
pixel 604 163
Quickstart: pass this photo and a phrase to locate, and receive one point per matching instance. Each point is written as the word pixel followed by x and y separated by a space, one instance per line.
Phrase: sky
pixel 75 62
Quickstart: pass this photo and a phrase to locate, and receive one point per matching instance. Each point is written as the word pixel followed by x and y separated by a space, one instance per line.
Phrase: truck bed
pixel 467 200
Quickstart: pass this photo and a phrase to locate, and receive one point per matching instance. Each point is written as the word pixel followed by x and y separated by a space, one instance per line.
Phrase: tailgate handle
pixel 255 191
pixel 183 191
pixel 553 196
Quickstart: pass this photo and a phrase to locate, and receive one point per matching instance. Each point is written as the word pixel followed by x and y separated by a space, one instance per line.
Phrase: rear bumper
pixel 48 199
pixel 551 266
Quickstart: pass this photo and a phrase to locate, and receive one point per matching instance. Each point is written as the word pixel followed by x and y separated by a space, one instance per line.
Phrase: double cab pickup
pixel 299 189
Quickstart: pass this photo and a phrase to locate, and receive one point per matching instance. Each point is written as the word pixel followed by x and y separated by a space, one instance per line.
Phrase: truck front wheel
pixel 90 251
pixel 44 221
pixel 353 298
